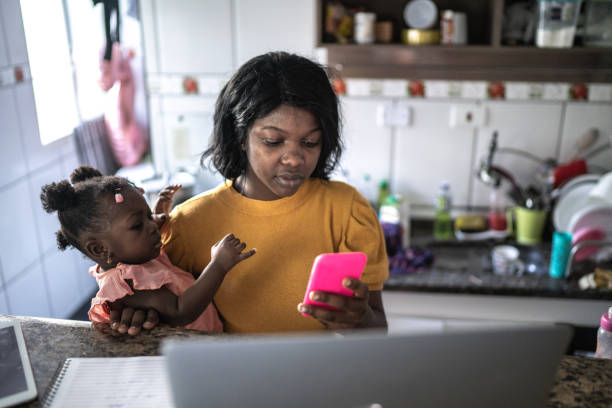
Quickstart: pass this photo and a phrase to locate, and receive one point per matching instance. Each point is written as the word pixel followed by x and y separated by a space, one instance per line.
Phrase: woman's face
pixel 282 150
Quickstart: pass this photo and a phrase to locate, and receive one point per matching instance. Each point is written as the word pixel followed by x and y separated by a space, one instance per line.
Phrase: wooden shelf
pixel 471 62
pixel 486 60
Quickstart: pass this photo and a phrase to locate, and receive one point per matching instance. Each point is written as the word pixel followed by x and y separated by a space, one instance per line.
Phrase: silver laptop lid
pixel 506 367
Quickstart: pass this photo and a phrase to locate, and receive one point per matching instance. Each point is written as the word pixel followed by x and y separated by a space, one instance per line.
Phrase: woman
pixel 276 140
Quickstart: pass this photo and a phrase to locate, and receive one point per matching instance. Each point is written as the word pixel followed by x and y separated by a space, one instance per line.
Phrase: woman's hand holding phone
pixel 335 296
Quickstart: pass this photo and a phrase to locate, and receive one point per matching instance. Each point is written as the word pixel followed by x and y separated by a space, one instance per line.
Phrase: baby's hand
pixel 164 199
pixel 228 252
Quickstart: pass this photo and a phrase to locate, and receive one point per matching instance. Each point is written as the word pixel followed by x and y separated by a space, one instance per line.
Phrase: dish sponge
pixel 470 223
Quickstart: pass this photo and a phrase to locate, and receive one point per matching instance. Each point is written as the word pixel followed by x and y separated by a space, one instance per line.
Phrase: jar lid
pixel 421 14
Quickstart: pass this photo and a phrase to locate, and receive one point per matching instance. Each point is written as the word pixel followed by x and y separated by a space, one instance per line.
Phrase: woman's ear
pixel 96 250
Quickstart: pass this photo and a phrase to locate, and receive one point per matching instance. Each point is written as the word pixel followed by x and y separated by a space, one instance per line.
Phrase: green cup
pixel 529 225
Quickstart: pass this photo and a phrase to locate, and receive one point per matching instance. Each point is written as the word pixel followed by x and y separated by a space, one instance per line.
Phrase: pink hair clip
pixel 118 196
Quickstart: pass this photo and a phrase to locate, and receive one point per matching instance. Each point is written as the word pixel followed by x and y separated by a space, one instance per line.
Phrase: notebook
pixel 505 367
pixel 118 382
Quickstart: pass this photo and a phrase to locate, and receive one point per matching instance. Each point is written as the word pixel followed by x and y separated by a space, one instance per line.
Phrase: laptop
pixel 482 367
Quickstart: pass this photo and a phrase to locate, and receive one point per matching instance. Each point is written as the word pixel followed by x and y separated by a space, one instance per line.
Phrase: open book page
pixel 115 382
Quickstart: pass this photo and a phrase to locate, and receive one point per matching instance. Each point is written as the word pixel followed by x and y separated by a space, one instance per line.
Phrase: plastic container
pixel 604 336
pixel 557 23
pixel 443 225
pixel 598 23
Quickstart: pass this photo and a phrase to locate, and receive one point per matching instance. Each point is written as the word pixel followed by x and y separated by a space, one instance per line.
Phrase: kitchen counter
pixel 465 268
pixel 579 382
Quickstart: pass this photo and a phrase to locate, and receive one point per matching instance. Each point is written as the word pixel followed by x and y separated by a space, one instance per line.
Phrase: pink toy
pixel 327 273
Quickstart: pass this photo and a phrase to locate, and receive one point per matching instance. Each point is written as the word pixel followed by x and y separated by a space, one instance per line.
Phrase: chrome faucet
pixel 578 247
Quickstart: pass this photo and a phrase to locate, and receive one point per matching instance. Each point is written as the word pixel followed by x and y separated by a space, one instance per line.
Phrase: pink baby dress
pixel 150 275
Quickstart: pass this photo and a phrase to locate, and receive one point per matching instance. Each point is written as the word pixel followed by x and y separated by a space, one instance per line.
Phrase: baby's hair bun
pixel 62 241
pixel 83 173
pixel 58 196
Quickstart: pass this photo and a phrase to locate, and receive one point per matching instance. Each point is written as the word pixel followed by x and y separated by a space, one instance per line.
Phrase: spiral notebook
pixel 110 382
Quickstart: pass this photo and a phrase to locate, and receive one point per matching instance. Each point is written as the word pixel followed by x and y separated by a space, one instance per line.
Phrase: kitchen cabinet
pixel 485 58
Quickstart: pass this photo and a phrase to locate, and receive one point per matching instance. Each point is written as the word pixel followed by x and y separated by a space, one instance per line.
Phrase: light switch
pixel 393 115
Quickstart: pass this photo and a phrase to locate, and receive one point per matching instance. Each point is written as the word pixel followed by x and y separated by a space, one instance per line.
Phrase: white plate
pixel 581 179
pixel 572 201
pixel 594 216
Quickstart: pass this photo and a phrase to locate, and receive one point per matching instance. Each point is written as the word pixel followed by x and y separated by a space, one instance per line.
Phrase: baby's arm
pixel 184 309
pixel 163 204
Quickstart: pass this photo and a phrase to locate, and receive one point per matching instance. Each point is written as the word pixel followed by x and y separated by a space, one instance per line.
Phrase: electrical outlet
pixel 467 116
pixel 393 115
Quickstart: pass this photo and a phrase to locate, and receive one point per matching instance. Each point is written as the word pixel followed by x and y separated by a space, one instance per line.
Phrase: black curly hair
pixel 261 85
pixel 81 203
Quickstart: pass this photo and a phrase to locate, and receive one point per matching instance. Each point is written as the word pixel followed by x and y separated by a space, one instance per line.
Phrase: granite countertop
pixel 465 267
pixel 579 382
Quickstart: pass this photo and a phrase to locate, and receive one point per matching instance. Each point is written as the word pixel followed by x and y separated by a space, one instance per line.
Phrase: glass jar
pixel 598 23
pixel 557 23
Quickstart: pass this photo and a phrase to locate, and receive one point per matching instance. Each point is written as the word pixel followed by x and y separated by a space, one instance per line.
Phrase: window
pixel 45 27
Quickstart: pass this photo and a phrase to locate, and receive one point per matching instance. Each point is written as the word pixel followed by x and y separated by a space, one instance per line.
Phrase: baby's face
pixel 134 237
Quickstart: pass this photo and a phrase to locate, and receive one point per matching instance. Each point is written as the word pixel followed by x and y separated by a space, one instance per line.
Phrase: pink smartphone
pixel 327 273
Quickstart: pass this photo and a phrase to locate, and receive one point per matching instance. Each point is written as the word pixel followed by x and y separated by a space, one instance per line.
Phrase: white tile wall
pixel 87 283
pixel 3 45
pixel 11 153
pixel 268 18
pixel 63 281
pixel 3 305
pixel 29 232
pixel 10 18
pixel 27 295
pixel 428 152
pixel 18 245
pixel 194 36
pixel 368 147
pixel 47 224
pixel 580 117
pixel 37 155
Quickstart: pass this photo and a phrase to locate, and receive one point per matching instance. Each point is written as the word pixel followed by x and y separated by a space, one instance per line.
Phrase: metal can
pixel 364 27
pixel 453 27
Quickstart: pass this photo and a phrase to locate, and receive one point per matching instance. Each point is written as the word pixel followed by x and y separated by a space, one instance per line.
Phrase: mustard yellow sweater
pixel 261 293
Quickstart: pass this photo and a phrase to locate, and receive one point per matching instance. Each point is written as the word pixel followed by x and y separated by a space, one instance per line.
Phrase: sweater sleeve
pixel 173 244
pixel 364 234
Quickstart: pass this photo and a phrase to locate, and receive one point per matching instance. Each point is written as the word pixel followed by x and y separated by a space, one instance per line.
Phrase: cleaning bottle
pixel 443 228
pixel 383 193
pixel 604 336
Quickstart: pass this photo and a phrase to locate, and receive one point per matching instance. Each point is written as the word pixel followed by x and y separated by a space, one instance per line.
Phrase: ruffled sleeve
pixel 111 287
pixel 363 233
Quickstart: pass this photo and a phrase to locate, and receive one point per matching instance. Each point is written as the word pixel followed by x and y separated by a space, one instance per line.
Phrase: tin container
pixel 453 27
